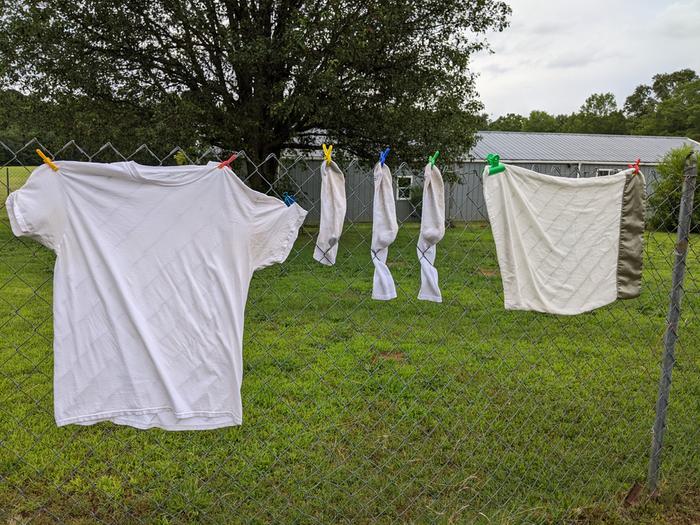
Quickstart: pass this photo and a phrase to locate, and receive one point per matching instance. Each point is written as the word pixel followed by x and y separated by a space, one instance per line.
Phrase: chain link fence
pixel 364 411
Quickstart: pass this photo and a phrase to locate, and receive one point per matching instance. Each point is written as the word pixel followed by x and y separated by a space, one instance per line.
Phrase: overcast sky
pixel 556 53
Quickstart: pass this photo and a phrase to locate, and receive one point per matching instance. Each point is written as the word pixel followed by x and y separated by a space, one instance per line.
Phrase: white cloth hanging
pixel 333 207
pixel 384 230
pixel 150 290
pixel 564 245
pixel 432 230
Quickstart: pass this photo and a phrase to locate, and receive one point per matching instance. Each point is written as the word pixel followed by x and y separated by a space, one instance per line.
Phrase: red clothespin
pixel 228 161
pixel 635 166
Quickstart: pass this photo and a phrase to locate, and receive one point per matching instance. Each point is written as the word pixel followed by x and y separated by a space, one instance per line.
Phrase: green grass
pixel 361 411
pixel 14 177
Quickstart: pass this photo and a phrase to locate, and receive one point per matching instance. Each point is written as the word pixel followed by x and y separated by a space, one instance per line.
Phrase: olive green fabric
pixel 629 260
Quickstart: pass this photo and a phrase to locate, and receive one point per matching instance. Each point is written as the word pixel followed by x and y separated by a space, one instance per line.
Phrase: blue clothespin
pixel 494 162
pixel 383 155
pixel 288 199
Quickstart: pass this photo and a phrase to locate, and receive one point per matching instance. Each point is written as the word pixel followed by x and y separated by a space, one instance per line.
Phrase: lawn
pixel 13 177
pixel 361 411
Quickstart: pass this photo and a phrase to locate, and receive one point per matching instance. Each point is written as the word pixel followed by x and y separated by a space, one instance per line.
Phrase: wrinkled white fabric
pixel 432 230
pixel 384 231
pixel 557 238
pixel 333 206
pixel 153 266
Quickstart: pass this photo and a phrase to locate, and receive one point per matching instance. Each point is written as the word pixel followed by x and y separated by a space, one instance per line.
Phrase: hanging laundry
pixel 152 274
pixel 333 206
pixel 432 230
pixel 384 231
pixel 564 245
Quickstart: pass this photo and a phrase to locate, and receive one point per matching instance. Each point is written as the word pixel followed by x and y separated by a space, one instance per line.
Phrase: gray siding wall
pixel 305 183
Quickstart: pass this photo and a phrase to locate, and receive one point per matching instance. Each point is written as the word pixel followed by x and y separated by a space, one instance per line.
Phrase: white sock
pixel 333 206
pixel 384 230
pixel 432 230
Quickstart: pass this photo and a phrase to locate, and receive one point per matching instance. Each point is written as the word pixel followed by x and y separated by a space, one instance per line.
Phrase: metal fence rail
pixel 366 411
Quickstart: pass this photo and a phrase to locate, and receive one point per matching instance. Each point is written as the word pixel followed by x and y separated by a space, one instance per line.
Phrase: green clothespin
pixel 494 162
pixel 433 158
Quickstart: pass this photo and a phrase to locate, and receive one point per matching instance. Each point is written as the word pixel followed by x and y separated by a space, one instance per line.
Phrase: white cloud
pixel 555 54
pixel 678 20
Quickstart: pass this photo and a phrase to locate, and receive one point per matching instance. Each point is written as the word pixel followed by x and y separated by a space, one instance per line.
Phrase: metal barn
pixel 560 154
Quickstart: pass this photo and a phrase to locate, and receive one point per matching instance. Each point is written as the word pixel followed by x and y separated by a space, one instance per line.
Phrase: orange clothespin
pixel 46 160
pixel 635 166
pixel 327 153
pixel 228 161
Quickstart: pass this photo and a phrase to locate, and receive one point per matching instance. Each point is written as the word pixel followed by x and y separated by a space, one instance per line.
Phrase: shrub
pixel 664 202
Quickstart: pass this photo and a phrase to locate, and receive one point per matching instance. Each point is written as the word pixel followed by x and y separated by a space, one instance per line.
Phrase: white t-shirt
pixel 150 284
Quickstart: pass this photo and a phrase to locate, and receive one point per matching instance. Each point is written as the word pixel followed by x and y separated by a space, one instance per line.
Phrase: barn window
pixel 603 172
pixel 403 187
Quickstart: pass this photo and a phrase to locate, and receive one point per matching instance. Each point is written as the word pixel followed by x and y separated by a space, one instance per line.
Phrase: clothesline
pixel 148 332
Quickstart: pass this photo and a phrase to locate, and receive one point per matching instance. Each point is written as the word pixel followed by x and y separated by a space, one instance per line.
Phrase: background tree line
pixel 261 76
pixel 670 105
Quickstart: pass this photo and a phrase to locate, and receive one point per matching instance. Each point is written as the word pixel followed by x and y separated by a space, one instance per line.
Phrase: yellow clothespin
pixel 47 160
pixel 327 153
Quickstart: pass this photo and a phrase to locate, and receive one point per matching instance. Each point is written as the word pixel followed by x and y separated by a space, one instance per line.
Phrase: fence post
pixel 690 173
pixel 7 179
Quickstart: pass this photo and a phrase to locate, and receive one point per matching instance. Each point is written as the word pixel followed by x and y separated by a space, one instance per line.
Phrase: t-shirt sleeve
pixel 274 228
pixel 37 210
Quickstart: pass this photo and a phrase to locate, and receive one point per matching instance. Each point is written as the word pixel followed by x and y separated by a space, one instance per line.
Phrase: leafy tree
pixel 679 114
pixel 670 106
pixel 598 114
pixel 541 121
pixel 599 105
pixel 664 202
pixel 509 122
pixel 14 110
pixel 665 84
pixel 640 102
pixel 90 123
pixel 265 75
